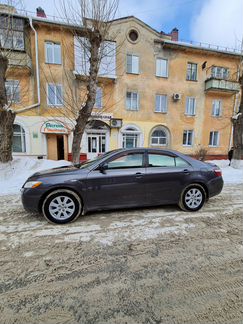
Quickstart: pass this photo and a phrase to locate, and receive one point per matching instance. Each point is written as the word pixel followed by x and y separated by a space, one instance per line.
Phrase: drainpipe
pixel 37 70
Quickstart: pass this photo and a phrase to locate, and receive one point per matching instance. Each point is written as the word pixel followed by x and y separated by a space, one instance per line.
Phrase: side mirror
pixel 103 167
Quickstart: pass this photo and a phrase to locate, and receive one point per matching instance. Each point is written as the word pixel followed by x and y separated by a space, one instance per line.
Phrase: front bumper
pixel 215 186
pixel 31 199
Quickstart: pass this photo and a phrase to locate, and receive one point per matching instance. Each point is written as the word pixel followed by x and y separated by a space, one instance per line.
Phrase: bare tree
pixel 92 20
pixel 11 38
pixel 237 121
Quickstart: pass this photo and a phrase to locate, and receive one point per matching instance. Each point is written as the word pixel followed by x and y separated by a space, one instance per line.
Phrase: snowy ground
pixel 14 174
pixel 150 265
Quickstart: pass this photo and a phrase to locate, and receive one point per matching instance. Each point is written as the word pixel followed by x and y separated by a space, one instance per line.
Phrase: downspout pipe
pixel 37 70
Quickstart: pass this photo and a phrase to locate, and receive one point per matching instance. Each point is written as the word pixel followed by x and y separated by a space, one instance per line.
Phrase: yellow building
pixel 153 91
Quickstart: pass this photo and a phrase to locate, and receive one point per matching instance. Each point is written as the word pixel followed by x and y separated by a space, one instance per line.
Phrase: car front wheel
pixel 192 198
pixel 62 206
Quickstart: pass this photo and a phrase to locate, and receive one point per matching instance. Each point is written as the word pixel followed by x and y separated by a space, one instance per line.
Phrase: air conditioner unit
pixel 116 123
pixel 176 96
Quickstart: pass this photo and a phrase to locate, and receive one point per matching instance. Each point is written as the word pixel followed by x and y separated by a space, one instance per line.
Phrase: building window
pixel 132 64
pixel 98 97
pixel 19 145
pixel 219 72
pixel 133 35
pixel 131 137
pixel 132 101
pixel 54 94
pixel 159 137
pixel 161 67
pixel 188 137
pixel 53 53
pixel 12 33
pixel 217 108
pixel 214 138
pixel 161 103
pixel 191 74
pixel 13 91
pixel 190 106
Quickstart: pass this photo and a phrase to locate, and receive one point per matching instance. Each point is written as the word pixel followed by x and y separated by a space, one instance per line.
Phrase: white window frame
pixel 188 131
pixel 189 76
pixel 220 72
pixel 55 93
pixel 158 137
pixel 159 69
pixel 134 64
pixel 214 109
pixel 213 136
pixel 190 111
pixel 161 109
pixel 130 107
pixel 22 135
pixel 99 99
pixel 13 86
pixel 130 129
pixel 52 46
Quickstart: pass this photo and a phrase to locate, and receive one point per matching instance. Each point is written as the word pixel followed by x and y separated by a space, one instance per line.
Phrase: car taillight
pixel 218 173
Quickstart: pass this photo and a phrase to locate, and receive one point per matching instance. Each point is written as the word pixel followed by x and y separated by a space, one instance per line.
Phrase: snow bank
pixel 14 174
pixel 230 174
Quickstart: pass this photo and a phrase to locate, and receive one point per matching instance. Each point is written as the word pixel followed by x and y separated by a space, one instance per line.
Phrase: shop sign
pixel 101 116
pixel 54 127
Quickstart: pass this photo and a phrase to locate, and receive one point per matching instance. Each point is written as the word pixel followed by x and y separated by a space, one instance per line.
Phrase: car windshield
pixel 92 162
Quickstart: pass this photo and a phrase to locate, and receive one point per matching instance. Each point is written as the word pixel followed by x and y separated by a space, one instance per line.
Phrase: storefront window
pixel 19 144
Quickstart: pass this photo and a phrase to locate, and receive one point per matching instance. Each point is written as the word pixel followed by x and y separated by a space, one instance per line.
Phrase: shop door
pixel 96 145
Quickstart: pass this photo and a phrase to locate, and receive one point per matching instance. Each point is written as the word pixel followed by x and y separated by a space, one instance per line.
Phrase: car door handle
pixel 186 171
pixel 138 175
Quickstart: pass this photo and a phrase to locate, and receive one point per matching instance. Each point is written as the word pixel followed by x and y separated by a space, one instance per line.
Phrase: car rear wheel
pixel 62 206
pixel 192 198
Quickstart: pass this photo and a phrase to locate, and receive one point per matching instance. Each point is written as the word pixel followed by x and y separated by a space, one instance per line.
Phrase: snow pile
pixel 230 175
pixel 14 174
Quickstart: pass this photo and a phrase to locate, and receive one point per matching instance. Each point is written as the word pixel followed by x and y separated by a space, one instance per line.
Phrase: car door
pixel 120 184
pixel 166 175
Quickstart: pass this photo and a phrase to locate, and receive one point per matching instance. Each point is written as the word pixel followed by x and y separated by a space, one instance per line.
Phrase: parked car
pixel 121 179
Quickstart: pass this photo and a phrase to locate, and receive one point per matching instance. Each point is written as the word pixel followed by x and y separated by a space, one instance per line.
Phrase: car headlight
pixel 32 184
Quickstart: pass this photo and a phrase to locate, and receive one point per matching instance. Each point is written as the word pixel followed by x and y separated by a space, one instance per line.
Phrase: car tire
pixel 192 198
pixel 62 206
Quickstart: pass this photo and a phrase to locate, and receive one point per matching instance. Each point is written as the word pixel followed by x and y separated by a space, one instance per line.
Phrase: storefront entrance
pixel 57 147
pixel 57 140
pixel 97 138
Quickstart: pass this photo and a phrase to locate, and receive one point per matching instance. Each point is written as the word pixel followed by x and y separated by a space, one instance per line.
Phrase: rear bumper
pixel 31 199
pixel 215 186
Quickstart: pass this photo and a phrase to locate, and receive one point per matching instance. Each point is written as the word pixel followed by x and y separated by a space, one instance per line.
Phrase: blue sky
pixel 218 22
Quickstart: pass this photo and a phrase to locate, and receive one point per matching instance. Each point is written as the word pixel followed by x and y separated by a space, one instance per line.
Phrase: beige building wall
pixel 148 47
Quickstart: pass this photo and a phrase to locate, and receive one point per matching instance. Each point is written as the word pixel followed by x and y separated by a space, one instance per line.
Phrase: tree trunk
pixel 238 132
pixel 85 112
pixel 6 116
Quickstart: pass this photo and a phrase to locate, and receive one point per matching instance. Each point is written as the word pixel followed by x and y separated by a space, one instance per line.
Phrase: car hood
pixel 65 170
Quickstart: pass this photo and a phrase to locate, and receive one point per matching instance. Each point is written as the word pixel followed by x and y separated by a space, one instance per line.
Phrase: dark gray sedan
pixel 122 179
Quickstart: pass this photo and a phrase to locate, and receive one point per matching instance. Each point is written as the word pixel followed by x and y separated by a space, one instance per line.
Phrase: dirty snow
pixel 14 174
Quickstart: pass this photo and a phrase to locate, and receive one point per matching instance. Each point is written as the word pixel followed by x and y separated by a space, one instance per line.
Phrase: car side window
pixel 160 160
pixel 133 160
pixel 181 163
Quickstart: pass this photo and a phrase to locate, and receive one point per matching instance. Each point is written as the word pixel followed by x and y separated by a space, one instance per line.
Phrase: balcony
pixel 107 69
pixel 220 85
pixel 19 59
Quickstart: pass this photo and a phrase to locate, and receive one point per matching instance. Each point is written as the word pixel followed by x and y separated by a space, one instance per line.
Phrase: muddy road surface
pixel 144 266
